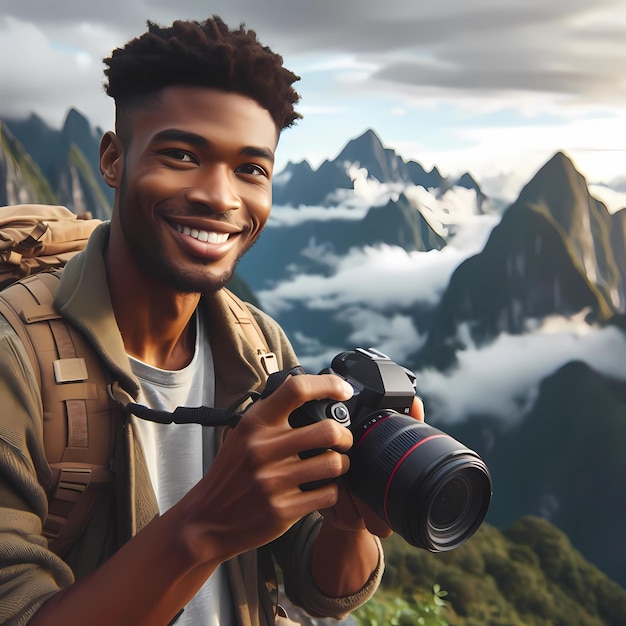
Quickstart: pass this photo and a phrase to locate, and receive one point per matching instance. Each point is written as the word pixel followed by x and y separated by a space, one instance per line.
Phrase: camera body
pixel 429 488
pixel 378 383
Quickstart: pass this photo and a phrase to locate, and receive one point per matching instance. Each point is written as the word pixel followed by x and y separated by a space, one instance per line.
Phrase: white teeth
pixel 202 235
pixel 217 237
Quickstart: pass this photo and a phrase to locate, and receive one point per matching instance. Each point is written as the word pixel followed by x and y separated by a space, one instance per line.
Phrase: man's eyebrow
pixel 262 153
pixel 175 134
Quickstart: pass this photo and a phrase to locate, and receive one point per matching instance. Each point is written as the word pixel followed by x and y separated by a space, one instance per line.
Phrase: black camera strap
pixel 203 415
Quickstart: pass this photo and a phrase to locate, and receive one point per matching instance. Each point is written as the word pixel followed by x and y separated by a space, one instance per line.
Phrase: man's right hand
pixel 251 494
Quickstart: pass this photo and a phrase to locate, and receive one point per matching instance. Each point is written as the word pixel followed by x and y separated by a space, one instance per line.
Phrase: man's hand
pixel 251 494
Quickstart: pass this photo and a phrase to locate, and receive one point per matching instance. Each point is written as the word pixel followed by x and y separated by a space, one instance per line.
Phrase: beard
pixel 195 277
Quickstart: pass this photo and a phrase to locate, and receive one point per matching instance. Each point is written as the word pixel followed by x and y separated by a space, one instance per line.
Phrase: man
pixel 199 110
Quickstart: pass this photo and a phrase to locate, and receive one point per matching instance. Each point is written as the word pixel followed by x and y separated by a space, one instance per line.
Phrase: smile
pixel 203 235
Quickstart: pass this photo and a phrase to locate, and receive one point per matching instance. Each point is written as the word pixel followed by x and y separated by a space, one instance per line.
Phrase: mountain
pixel 551 254
pixel 68 160
pixel 301 185
pixel 617 244
pixel 563 191
pixel 527 574
pixel 309 243
pixel 563 460
pixel 21 180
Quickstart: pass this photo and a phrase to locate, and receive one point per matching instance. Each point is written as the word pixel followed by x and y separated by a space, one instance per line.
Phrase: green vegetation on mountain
pixel 21 180
pixel 528 575
pixel 87 183
pixel 68 160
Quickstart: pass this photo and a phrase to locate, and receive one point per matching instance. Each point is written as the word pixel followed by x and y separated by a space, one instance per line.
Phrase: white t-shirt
pixel 178 455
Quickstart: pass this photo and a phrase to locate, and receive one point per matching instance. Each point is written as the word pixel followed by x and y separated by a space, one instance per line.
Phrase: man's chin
pixel 192 278
pixel 203 285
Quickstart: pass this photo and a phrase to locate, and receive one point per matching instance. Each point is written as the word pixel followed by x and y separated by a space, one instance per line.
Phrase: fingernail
pixel 348 388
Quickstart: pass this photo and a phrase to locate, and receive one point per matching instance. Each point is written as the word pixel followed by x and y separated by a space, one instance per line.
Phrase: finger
pixel 417 409
pixel 296 391
pixel 288 476
pixel 326 466
pixel 301 503
pixel 326 434
pixel 268 444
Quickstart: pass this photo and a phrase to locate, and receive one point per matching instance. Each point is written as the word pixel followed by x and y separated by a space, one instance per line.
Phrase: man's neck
pixel 155 321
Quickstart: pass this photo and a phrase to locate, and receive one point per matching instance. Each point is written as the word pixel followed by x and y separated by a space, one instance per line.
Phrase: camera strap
pixel 203 415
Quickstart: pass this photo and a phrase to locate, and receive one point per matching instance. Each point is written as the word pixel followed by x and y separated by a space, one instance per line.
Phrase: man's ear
pixel 111 159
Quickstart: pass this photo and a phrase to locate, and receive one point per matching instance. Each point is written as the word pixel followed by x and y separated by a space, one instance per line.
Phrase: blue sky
pixel 491 87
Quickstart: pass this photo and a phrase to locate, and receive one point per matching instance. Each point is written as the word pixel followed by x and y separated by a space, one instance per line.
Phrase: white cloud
pixel 47 77
pixel 394 335
pixel 614 200
pixel 502 379
pixel 377 278
pixel 372 277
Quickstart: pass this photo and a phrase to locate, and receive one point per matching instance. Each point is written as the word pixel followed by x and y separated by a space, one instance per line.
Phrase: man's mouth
pixel 203 235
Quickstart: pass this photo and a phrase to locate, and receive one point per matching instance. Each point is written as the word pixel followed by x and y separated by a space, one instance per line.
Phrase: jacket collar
pixel 83 298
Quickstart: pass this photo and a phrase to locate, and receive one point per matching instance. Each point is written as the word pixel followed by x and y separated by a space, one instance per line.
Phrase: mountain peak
pixel 558 171
pixel 361 148
pixel 74 116
pixel 76 128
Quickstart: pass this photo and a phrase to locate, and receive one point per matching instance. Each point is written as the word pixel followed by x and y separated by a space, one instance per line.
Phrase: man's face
pixel 196 189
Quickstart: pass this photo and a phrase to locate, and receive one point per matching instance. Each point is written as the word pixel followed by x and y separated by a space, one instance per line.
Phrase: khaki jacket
pixel 29 572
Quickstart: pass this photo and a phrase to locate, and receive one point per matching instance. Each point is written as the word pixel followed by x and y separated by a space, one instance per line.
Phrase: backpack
pixel 79 412
pixel 36 237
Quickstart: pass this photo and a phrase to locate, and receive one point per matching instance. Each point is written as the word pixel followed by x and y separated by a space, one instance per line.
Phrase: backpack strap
pixel 252 331
pixel 79 416
pixel 79 413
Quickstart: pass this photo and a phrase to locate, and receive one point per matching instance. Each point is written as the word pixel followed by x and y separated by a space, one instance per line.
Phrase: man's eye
pixel 180 155
pixel 252 169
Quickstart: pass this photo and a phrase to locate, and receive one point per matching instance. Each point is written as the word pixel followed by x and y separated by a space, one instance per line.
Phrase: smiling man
pixel 199 111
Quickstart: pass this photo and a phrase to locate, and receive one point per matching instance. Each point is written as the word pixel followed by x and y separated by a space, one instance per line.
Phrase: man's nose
pixel 214 188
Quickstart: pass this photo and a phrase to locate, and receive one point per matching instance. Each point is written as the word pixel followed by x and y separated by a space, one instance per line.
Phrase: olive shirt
pixel 29 572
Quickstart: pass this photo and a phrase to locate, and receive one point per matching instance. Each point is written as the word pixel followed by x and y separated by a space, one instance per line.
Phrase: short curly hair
pixel 206 54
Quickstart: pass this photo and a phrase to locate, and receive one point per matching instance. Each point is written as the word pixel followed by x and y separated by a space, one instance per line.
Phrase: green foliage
pixel 389 610
pixel 529 575
pixel 30 181
pixel 89 183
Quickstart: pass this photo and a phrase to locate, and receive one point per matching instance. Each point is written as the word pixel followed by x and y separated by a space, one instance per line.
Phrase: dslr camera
pixel 429 488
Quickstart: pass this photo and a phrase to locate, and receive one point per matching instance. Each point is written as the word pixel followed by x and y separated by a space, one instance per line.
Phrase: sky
pixel 493 87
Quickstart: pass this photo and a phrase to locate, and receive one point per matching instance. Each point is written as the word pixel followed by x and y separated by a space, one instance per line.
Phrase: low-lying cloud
pixel 501 380
pixel 381 277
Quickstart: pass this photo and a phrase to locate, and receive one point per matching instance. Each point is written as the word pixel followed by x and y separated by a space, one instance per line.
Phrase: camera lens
pixel 430 489
pixel 450 503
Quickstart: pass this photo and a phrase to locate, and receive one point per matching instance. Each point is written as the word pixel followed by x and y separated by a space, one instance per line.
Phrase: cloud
pixel 566 47
pixel 47 69
pixel 379 277
pixel 502 379
pixel 390 334
pixel 614 200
